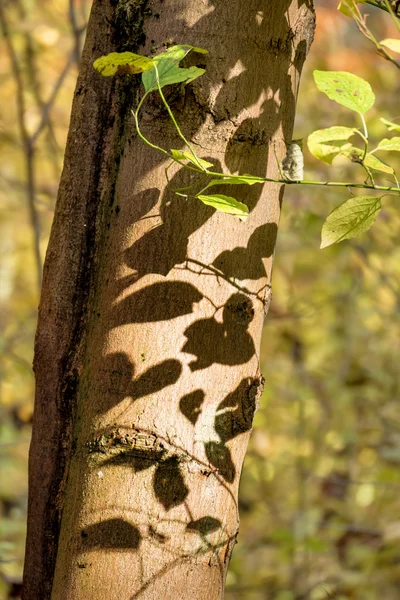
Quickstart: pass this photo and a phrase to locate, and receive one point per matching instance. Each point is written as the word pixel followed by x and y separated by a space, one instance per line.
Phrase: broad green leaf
pixel 184 155
pixel 391 126
pixel 236 180
pixel 370 161
pixel 392 44
pixel 319 146
pixel 168 73
pixel 346 89
pixel 390 144
pixel 226 204
pixel 178 52
pixel 352 217
pixel 122 63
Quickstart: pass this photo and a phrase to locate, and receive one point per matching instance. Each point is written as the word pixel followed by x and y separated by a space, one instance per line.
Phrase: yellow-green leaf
pixel 168 73
pixel 347 6
pixel 390 144
pixel 184 155
pixel 352 217
pixel 391 43
pixel 226 204
pixel 391 126
pixel 320 142
pixel 178 52
pixel 371 161
pixel 236 180
pixel 346 89
pixel 122 63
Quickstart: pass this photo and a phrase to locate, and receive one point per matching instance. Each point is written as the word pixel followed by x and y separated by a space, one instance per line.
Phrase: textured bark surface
pixel 152 308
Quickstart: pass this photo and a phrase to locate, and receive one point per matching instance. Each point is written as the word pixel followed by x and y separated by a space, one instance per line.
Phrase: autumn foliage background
pixel 320 491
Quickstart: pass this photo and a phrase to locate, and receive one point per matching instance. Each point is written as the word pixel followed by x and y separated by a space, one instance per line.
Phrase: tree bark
pixel 152 307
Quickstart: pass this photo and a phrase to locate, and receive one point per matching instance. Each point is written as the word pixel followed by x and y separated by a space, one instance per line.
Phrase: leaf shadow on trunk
pixel 113 534
pixel 165 247
pixel 233 416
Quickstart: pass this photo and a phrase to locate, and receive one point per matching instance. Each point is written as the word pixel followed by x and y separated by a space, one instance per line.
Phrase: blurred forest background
pixel 320 491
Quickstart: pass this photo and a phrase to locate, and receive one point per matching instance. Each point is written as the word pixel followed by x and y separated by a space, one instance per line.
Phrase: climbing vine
pixel 353 216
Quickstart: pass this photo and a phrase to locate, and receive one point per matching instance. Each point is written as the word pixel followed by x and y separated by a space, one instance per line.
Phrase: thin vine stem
pixel 198 168
pixel 178 129
pixel 394 17
pixel 365 136
pixel 309 182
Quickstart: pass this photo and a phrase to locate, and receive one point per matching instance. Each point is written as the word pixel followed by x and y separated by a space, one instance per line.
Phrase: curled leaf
pixel 325 144
pixel 352 217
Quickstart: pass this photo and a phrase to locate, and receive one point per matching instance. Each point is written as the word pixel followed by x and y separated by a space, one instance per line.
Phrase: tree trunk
pixel 152 308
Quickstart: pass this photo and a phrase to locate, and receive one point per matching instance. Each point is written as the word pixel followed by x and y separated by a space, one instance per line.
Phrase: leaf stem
pixel 196 158
pixel 365 136
pixel 140 134
pixel 395 18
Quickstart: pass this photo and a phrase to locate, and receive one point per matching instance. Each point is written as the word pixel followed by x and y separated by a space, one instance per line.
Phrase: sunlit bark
pixel 152 308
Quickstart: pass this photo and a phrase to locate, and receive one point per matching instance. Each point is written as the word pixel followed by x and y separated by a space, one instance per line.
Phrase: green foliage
pixel 346 7
pixel 391 126
pixel 346 89
pixel 355 215
pixel 352 217
pixel 226 204
pixel 323 143
pixel 368 160
pixel 122 63
pixel 184 155
pixel 178 52
pixel 390 144
pixel 236 180
pixel 168 73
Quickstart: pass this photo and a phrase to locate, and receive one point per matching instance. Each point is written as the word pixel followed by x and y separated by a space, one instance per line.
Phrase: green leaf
pixel 346 89
pixel 168 73
pixel 184 155
pixel 226 204
pixel 391 126
pixel 376 164
pixel 352 217
pixel 370 161
pixel 122 63
pixel 347 6
pixel 390 144
pixel 178 52
pixel 236 180
pixel 319 146
pixel 392 44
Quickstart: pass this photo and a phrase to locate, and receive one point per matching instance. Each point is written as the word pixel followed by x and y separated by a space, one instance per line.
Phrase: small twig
pixel 27 145
pixel 49 104
pixel 76 32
